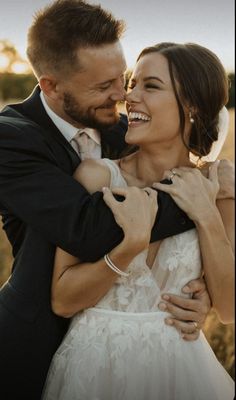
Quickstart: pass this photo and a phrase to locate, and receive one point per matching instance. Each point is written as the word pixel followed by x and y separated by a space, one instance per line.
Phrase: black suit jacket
pixel 42 207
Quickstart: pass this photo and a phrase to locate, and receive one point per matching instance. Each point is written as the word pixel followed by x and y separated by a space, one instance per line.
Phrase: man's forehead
pixel 98 56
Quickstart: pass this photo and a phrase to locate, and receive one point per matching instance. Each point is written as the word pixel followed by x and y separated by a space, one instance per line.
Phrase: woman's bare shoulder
pixel 93 175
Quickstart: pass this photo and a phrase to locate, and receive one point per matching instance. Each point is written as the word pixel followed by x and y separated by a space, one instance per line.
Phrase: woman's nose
pixel 132 96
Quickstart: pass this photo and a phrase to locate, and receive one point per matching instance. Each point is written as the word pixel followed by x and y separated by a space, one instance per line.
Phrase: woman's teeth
pixel 135 116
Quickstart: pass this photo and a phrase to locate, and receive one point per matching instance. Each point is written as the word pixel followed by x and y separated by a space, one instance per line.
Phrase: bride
pixel 118 346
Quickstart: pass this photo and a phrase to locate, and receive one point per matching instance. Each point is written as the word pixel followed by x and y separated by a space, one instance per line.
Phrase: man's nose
pixel 119 92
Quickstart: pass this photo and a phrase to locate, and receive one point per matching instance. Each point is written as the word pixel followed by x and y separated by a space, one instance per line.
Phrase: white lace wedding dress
pixel 121 349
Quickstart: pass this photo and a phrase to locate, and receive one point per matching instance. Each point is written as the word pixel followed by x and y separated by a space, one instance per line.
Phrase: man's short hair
pixel 61 28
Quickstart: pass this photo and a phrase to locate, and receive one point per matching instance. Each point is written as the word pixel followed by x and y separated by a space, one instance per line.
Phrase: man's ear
pixel 50 87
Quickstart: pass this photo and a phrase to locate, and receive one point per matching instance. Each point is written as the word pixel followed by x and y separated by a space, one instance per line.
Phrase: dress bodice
pixel 177 262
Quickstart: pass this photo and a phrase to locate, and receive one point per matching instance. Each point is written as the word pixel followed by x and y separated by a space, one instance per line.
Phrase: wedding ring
pixel 173 173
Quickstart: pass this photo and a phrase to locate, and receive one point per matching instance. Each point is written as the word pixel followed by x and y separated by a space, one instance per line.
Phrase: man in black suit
pixel 75 52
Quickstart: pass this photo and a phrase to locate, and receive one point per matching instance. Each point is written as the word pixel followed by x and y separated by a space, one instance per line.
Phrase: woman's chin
pixel 130 138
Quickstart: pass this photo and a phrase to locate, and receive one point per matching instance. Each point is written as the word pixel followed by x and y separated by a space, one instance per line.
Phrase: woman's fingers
pixel 136 214
pixel 109 199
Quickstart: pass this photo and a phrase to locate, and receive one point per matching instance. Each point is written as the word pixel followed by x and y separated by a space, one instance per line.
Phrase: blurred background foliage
pixel 16 83
pixel 17 80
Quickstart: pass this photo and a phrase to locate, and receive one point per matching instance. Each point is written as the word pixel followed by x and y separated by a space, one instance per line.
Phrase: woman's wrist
pixel 210 216
pixel 127 250
pixel 136 242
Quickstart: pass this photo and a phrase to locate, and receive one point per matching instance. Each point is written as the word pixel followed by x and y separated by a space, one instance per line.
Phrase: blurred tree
pixel 16 78
pixel 8 55
pixel 10 59
pixel 16 86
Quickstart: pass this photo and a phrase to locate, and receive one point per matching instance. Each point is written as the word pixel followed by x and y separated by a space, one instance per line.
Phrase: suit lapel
pixel 33 109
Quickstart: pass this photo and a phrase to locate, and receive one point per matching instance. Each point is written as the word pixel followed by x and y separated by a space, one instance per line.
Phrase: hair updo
pixel 203 88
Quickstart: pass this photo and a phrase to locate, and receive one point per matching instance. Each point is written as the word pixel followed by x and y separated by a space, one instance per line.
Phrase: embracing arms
pixel 36 188
pixel 77 286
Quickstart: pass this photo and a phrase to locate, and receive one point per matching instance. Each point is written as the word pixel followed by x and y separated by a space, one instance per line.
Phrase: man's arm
pixel 34 188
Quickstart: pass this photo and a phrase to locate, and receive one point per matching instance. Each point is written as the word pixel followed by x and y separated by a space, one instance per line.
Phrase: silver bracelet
pixel 114 267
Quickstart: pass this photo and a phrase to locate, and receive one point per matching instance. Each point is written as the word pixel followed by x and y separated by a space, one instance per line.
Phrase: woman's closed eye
pixel 151 86
pixel 146 86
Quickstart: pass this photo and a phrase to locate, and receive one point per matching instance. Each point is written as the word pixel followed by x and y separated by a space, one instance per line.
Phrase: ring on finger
pixel 173 173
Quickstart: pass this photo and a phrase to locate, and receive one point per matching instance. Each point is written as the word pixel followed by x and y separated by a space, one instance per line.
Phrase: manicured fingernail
pixel 165 297
pixel 104 189
pixel 169 321
pixel 162 306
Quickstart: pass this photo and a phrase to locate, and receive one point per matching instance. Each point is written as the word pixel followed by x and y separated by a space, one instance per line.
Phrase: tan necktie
pixel 87 147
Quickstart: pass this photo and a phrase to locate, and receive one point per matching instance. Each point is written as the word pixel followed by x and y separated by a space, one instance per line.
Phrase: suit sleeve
pixel 35 189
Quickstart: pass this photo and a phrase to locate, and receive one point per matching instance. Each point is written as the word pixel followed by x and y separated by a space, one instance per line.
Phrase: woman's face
pixel 151 104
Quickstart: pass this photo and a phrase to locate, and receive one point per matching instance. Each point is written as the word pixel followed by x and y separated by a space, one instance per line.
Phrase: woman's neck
pixel 148 166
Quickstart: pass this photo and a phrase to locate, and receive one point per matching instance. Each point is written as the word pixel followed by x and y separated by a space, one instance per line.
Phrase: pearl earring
pixel 191 118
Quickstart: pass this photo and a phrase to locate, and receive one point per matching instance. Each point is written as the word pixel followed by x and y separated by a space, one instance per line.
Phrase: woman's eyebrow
pixel 153 77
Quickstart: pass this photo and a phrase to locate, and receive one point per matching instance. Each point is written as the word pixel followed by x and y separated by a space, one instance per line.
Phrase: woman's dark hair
pixel 202 86
pixel 60 29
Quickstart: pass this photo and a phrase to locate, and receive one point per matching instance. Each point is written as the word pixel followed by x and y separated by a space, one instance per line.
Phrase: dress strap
pixel 116 176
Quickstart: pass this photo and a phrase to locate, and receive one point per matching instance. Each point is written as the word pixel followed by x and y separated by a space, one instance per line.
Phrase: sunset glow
pixel 4 62
pixel 19 67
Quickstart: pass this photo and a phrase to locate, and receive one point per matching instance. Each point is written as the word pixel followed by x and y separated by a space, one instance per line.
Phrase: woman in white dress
pixel 118 346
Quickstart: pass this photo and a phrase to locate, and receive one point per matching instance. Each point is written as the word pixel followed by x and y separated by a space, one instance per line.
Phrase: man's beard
pixel 86 117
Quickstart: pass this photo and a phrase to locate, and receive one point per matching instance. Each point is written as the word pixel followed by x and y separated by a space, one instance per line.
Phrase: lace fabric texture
pixel 121 349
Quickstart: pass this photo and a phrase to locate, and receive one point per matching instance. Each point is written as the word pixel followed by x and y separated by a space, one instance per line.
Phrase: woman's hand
pixel 193 192
pixel 136 214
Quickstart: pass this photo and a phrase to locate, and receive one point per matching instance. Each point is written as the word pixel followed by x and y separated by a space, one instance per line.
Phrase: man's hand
pixel 188 315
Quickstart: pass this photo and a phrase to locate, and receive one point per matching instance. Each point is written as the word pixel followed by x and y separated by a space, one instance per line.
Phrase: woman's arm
pixel 214 220
pixel 78 286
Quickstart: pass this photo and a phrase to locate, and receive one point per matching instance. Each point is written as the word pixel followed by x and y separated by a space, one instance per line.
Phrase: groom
pixel 75 52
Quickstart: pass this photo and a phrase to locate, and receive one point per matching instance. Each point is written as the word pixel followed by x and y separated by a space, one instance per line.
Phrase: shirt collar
pixel 69 131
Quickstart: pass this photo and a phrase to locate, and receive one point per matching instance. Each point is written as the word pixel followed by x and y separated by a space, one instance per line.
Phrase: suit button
pixel 183 222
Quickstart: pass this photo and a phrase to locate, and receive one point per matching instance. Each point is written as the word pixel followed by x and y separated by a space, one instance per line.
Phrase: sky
pixel 207 22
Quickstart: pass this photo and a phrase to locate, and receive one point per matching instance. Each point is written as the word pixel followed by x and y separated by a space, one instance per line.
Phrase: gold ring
pixel 171 176
pixel 173 173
